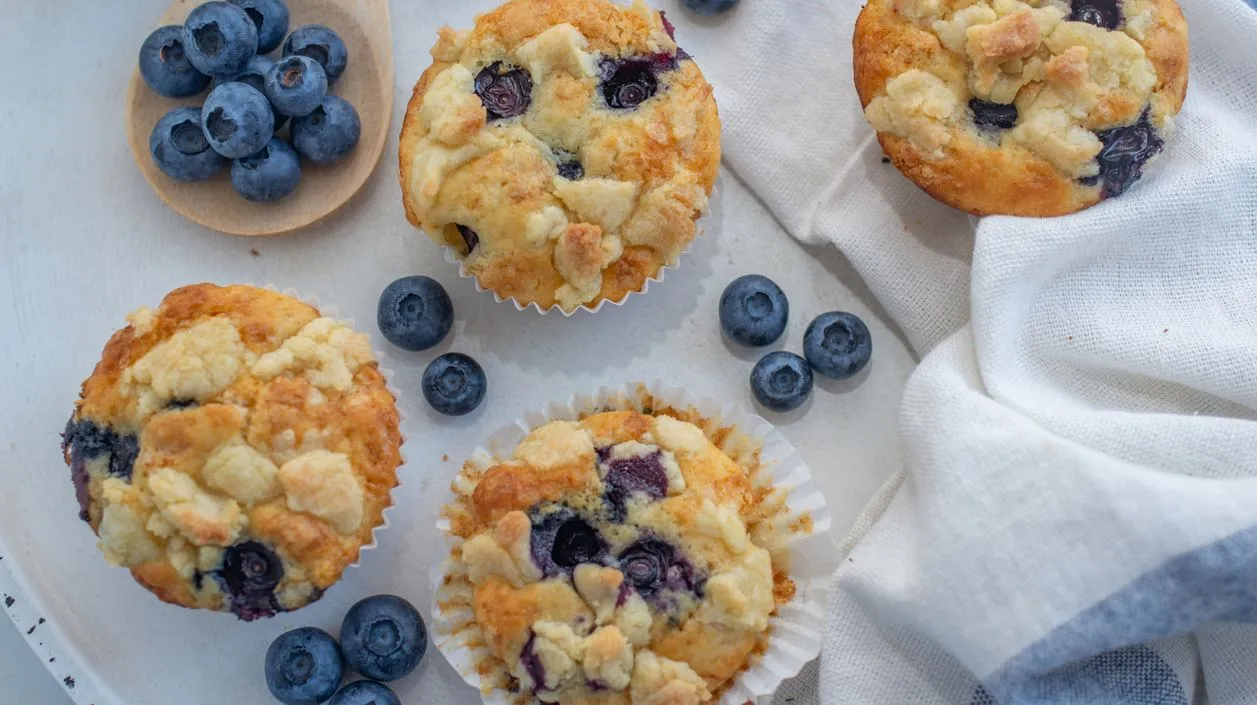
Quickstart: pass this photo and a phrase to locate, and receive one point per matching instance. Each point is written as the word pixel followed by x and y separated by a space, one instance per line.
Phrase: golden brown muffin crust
pixel 918 63
pixel 252 421
pixel 647 171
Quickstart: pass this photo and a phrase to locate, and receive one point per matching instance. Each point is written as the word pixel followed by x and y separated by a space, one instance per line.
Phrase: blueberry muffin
pixel 563 148
pixel 234 449
pixel 1021 107
pixel 615 560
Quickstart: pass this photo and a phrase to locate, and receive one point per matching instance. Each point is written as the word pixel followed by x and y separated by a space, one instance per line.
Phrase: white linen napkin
pixel 1077 518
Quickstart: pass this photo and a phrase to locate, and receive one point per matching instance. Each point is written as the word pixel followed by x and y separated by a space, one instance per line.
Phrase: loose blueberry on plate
pixel 296 85
pixel 365 693
pixel 454 384
pixel 268 175
pixel 781 381
pixel 837 345
pixel 505 91
pixel 254 75
pixel 329 132
pixel 179 147
pixel 754 310
pixel 237 120
pixel 304 666
pixel 271 19
pixel 165 66
pixel 383 637
pixel 321 43
pixel 219 38
pixel 710 7
pixel 415 313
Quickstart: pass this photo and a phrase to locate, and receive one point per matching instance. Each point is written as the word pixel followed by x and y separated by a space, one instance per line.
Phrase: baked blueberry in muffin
pixel 1022 107
pixel 234 449
pixel 563 148
pixel 614 560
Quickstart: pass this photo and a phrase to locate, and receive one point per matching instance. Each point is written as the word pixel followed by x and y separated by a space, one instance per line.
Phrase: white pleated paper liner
pixel 332 312
pixel 798 538
pixel 451 257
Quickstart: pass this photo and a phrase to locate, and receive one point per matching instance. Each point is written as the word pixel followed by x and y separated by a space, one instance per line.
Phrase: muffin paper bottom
pixel 452 257
pixel 798 537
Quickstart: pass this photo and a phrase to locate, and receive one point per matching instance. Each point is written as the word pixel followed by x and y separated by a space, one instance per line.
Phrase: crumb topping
pixel 545 233
pixel 1067 79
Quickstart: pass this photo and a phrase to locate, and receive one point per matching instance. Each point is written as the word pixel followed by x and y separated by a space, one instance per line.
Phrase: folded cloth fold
pixel 1076 521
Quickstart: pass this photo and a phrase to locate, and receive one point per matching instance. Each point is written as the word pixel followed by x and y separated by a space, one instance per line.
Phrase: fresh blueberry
pixel 627 83
pixel 296 85
pixel 781 381
pixel 328 133
pixel 710 7
pixel 454 384
pixel 237 120
pixel 837 345
pixel 652 566
pixel 1001 115
pixel 1125 152
pixel 383 637
pixel 322 44
pixel 254 75
pixel 1101 13
pixel 505 91
pixel 304 666
pixel 365 693
pixel 753 310
pixel 219 38
pixel 268 175
pixel 561 541
pixel 271 19
pixel 179 147
pixel 637 474
pixel 415 313
pixel 165 66
pixel 249 574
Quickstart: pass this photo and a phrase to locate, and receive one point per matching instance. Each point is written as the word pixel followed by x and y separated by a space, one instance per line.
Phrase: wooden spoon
pixel 367 83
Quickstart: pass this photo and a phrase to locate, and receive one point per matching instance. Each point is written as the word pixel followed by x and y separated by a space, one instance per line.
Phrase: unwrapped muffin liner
pixel 329 311
pixel 795 630
pixel 451 256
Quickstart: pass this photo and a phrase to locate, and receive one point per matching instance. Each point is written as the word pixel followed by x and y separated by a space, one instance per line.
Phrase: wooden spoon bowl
pixel 367 83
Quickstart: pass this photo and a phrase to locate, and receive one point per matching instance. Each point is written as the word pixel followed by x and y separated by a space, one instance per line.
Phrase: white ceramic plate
pixel 83 241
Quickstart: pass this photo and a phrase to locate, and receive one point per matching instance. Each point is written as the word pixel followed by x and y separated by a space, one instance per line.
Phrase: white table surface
pixel 83 240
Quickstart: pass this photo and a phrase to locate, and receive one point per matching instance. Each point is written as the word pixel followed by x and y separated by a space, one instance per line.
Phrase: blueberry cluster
pixel 382 637
pixel 223 46
pixel 754 312
pixel 415 313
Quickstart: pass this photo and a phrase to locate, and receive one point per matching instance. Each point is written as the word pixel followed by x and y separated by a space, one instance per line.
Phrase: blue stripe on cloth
pixel 1133 675
pixel 1216 583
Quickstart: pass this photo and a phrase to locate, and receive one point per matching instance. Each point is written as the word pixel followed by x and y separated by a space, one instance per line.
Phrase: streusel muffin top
pixel 564 148
pixel 234 449
pixel 1021 107
pixel 612 562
